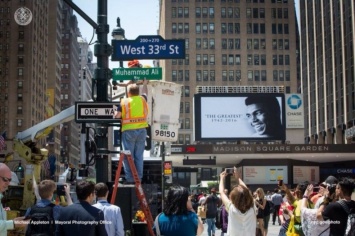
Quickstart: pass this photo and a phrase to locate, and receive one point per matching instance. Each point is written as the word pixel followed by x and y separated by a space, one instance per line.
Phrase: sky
pixel 138 17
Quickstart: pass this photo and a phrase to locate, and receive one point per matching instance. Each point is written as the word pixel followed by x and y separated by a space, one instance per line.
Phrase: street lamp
pixel 118 33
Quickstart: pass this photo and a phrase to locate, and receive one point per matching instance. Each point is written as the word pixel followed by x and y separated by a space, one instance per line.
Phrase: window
pixel 223 28
pixel 186 28
pixel 212 75
pixel 204 28
pixel 187 59
pixel 281 60
pixel 287 75
pixel 273 13
pixel 274 44
pixel 20 71
pixel 204 12
pixel 250 59
pixel 224 75
pixel 198 28
pixel 274 60
pixel 287 47
pixel 237 59
pixel 211 28
pixel 275 75
pixel 19 97
pixel 237 75
pixel 173 12
pixel 263 75
pixel 279 28
pixel 279 13
pixel 19 110
pixel 262 12
pixel 237 28
pixel 237 43
pixel 211 12
pixel 186 12
pixel 19 84
pixel 281 75
pixel 249 28
pixel 198 43
pixel 230 59
pixel 256 59
pixel 230 28
pixel 262 28
pixel 262 44
pixel 198 59
pixel 174 75
pixel 256 28
pixel 212 43
pixel 224 43
pixel 20 60
pixel 230 43
pixel 173 28
pixel 248 12
pixel 237 12
pixel 256 75
pixel 263 59
pixel 205 43
pixel 205 75
pixel 274 29
pixel 230 12
pixel 285 13
pixel 224 59
pixel 286 29
pixel 256 43
pixel 198 12
pixel 198 75
pixel 249 43
pixel 180 28
pixel 223 12
pixel 187 107
pixel 280 44
pixel 256 13
pixel 287 60
pixel 21 34
pixel 250 75
pixel 187 126
pixel 205 59
pixel 180 12
pixel 180 75
pixel 174 62
pixel 19 122
pixel 231 75
pixel 21 47
pixel 187 75
pixel 212 59
pixel 187 91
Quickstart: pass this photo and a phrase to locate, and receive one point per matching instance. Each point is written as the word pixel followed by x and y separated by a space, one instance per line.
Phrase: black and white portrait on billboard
pixel 264 115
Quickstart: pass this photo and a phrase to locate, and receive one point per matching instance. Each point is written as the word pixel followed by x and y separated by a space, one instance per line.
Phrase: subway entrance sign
pixel 148 47
pixel 137 73
pixel 95 112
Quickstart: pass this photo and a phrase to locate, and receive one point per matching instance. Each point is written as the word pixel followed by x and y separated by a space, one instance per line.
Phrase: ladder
pixel 139 189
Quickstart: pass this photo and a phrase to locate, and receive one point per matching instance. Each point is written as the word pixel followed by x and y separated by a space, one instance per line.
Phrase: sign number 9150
pixel 164 133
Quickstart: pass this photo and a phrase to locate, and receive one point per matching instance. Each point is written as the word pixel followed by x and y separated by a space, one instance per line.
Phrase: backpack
pixel 267 209
pixel 350 225
pixel 42 222
pixel 219 219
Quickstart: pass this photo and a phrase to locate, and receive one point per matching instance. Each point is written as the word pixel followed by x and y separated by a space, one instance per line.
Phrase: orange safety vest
pixel 134 113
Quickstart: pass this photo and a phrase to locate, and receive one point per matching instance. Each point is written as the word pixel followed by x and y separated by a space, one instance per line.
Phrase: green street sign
pixel 155 73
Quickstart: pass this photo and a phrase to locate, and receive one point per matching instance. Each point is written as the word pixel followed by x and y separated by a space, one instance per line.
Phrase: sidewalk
pixel 273 230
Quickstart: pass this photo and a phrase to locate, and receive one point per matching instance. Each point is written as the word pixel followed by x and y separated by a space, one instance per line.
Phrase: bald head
pixel 5 177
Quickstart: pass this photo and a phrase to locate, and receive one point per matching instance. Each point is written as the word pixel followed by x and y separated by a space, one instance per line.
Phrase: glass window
pixel 198 75
pixel 256 28
pixel 250 75
pixel 249 43
pixel 256 59
pixel 263 59
pixel 180 12
pixel 250 59
pixel 211 9
pixel 187 59
pixel 256 75
pixel 285 13
pixel 237 59
pixel 279 28
pixel 174 75
pixel 198 43
pixel 262 13
pixel 212 59
pixel 212 75
pixel 230 43
pixel 204 12
pixel 198 12
pixel 281 75
pixel 256 43
pixel 205 75
pixel 237 43
pixel 281 60
pixel 263 75
pixel 223 28
pixel 237 12
pixel 286 29
pixel 231 75
pixel 274 29
pixel 187 75
pixel 187 124
pixel 224 43
pixel 255 13
pixel 186 28
pixel 20 71
pixel 287 47
pixel 249 28
pixel 248 12
pixel 273 13
pixel 198 59
pixel 275 75
pixel 224 59
pixel 198 28
pixel 180 75
pixel 180 28
pixel 211 28
pixel 204 28
pixel 281 45
pixel 173 12
pixel 279 13
pixel 205 43
pixel 212 43
pixel 173 28
pixel 274 44
pixel 224 75
pixel 274 60
pixel 223 12
pixel 287 60
pixel 187 91
pixel 287 75
pixel 237 28
pixel 230 59
pixel 205 59
pixel 262 28
pixel 230 28
pixel 186 12
pixel 237 75
pixel 262 44
pixel 230 12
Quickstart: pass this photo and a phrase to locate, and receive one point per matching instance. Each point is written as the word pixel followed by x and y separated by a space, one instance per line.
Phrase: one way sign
pixel 95 112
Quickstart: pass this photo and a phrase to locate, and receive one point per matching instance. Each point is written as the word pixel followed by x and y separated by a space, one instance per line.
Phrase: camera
pixel 281 182
pixel 229 170
pixel 60 190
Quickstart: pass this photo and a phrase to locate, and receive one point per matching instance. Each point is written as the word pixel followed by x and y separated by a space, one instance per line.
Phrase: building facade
pixel 327 70
pixel 229 43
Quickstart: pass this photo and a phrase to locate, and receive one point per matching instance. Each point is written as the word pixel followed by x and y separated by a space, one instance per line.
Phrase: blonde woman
pixel 260 203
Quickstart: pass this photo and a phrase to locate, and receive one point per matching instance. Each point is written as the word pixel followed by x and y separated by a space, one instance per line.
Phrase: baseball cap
pixel 330 180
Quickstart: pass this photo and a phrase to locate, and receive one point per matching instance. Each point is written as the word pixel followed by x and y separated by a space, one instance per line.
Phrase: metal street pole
pixel 102 51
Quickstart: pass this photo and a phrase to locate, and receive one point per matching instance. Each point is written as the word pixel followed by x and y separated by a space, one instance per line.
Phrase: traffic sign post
pixel 148 47
pixel 95 112
pixel 137 73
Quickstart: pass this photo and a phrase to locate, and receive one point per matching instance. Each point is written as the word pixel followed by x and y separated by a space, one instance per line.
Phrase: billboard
pixel 264 174
pixel 294 111
pixel 239 116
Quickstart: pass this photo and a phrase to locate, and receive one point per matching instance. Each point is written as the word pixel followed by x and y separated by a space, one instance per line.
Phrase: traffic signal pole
pixel 102 75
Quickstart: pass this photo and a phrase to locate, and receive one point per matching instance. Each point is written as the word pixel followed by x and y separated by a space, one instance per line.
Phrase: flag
pixel 2 141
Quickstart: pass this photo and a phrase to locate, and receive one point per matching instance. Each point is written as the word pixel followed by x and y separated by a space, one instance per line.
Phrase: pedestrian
pixel 224 217
pixel 133 111
pixel 276 200
pixel 112 213
pixel 212 202
pixel 178 217
pixel 261 203
pixel 18 222
pixel 285 215
pixel 240 207
pixel 45 205
pixel 82 218
pixel 335 211
pixel 329 183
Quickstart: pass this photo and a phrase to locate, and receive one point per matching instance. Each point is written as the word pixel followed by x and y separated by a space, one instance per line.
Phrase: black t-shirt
pixel 212 203
pixel 338 217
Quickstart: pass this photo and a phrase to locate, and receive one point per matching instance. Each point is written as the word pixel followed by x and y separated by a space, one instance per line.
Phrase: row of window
pixel 228 28
pixel 229 75
pixel 236 1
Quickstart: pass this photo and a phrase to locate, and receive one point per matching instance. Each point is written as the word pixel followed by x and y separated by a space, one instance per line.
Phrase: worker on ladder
pixel 133 111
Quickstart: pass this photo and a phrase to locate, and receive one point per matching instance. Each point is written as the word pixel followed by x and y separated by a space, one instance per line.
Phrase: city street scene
pixel 177 117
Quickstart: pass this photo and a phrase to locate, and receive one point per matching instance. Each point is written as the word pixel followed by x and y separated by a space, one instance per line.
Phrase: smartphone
pixel 60 190
pixel 229 170
pixel 281 182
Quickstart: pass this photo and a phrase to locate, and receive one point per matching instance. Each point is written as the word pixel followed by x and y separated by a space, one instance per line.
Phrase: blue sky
pixel 138 17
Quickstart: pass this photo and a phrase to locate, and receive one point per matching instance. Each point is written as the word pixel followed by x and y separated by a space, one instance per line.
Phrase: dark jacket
pixel 81 219
pixel 212 202
pixel 224 214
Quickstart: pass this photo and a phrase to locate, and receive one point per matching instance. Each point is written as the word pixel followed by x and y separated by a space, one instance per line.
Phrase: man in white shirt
pixel 112 214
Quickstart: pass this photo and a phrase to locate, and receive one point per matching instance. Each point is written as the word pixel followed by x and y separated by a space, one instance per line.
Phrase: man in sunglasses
pixel 19 222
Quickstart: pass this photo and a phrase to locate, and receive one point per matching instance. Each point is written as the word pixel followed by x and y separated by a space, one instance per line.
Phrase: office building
pixel 327 70
pixel 230 43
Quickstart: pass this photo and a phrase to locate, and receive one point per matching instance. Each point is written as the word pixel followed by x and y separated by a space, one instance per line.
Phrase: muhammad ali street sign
pixel 137 73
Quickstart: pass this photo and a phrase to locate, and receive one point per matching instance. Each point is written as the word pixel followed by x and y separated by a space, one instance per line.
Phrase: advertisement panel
pixel 305 173
pixel 264 174
pixel 239 116
pixel 294 111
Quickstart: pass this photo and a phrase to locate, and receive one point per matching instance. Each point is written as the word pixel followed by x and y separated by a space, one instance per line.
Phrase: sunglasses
pixel 6 180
